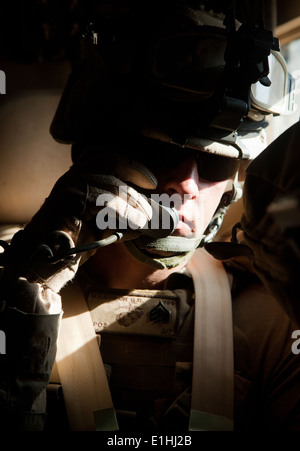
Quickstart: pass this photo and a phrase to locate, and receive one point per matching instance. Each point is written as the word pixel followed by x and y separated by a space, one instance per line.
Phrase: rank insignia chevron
pixel 160 314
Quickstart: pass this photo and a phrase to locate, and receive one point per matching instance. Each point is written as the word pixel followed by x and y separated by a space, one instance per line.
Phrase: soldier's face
pixel 195 198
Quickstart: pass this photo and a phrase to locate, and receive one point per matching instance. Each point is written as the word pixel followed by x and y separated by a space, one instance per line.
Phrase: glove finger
pixel 111 186
pixel 95 162
pixel 138 201
pixel 134 172
pixel 130 209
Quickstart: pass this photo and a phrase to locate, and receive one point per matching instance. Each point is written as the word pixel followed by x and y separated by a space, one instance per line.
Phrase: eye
pixel 215 168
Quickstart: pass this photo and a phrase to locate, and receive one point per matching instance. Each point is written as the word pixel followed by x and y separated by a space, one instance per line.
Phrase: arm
pixel 30 285
pixel 25 369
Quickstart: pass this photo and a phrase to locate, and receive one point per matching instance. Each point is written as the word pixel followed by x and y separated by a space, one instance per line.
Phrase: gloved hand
pixel 68 217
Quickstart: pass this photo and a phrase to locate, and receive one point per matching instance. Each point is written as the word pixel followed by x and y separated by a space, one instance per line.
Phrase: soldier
pixel 161 109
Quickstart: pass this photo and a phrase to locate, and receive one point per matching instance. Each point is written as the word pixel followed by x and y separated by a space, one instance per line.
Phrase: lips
pixel 185 226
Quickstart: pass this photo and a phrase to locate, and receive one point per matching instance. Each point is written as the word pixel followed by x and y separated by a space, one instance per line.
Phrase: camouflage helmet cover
pixel 171 71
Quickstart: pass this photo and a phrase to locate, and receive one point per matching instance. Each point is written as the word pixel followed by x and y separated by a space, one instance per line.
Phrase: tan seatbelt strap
pixel 213 367
pixel 80 367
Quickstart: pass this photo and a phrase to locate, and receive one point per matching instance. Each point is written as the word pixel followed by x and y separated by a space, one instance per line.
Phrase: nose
pixel 182 179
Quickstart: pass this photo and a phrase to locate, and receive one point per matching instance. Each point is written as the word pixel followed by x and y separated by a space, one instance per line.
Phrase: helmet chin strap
pixel 182 248
pixel 143 248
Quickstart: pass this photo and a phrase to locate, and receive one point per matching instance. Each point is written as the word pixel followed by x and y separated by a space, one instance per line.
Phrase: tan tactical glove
pixel 68 218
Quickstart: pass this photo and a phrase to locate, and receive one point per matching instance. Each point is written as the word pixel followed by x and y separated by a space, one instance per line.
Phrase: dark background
pixel 37 30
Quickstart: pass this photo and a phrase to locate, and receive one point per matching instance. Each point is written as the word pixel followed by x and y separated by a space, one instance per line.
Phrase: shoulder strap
pixel 213 366
pixel 80 367
pixel 82 373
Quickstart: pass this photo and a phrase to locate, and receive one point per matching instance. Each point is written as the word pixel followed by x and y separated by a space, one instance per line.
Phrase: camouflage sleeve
pixel 26 360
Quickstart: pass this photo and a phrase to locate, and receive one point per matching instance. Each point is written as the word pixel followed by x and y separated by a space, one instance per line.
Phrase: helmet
pixel 177 73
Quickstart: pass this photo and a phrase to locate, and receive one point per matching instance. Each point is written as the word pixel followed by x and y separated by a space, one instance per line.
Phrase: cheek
pixel 207 203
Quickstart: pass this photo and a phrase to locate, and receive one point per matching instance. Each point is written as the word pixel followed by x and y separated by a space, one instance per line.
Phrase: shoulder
pixel 263 325
pixel 255 307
